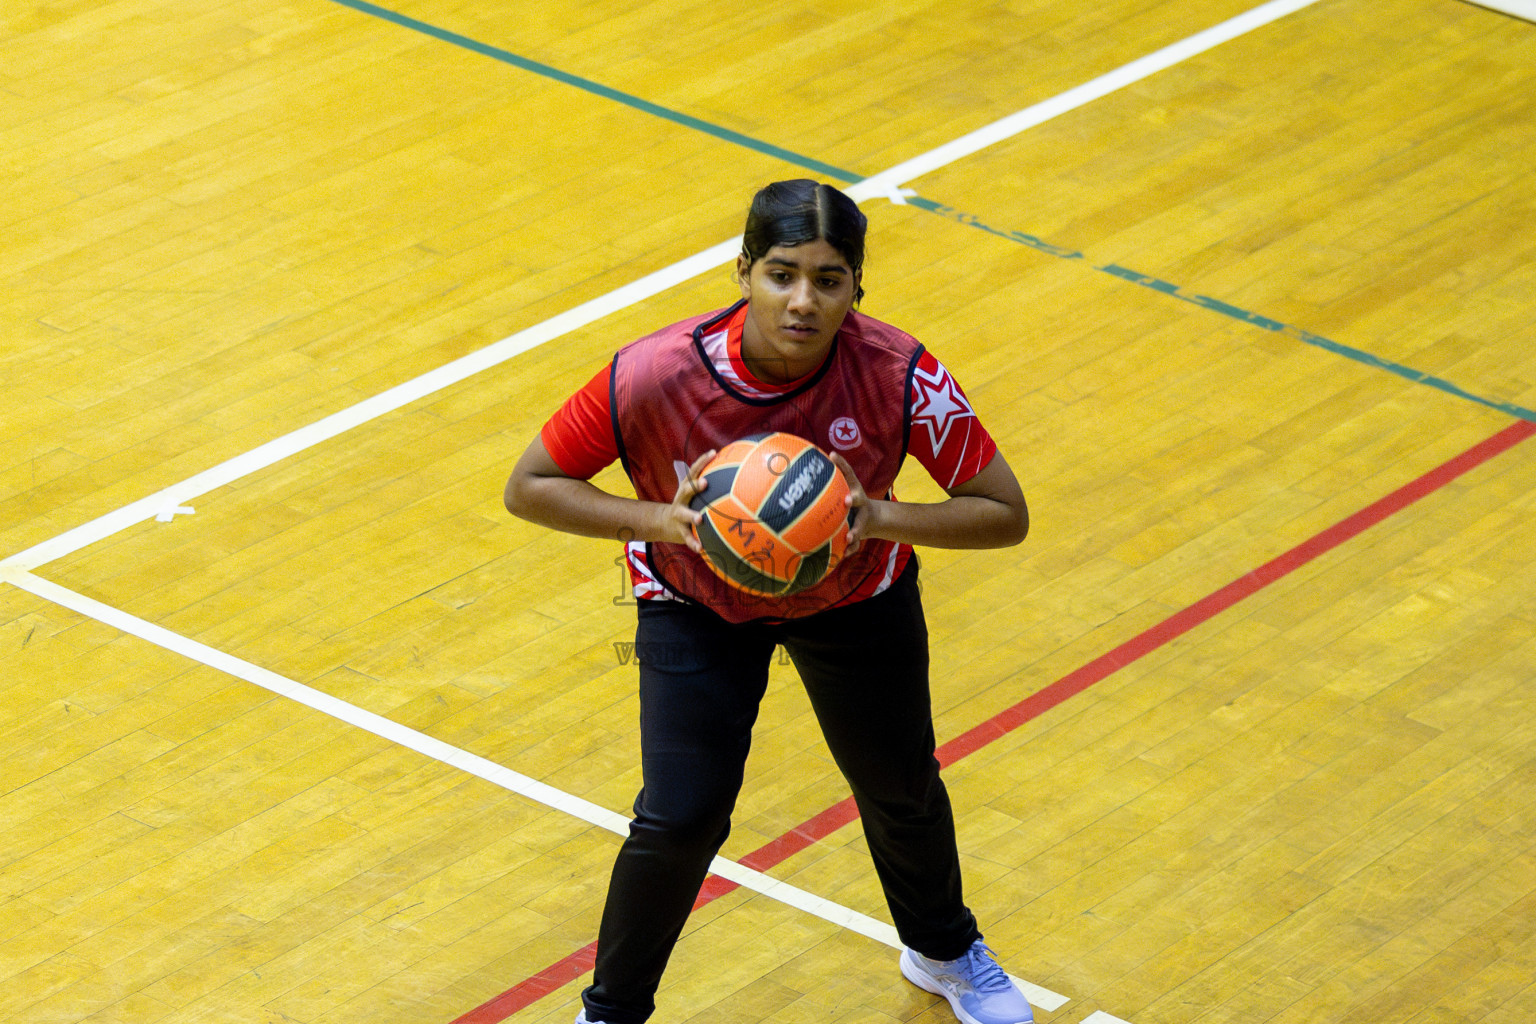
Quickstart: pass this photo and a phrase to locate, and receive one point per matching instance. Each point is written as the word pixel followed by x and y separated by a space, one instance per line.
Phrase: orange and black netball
pixel 774 521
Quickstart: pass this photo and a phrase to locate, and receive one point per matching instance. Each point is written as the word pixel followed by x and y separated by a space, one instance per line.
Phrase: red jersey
pixel 878 395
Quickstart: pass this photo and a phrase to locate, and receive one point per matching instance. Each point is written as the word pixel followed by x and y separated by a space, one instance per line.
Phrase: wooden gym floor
pixel 1244 732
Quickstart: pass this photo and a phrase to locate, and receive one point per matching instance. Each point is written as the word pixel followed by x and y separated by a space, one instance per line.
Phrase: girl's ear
pixel 744 276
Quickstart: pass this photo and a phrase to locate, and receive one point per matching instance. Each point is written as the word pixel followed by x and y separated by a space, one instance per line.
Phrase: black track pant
pixel 865 667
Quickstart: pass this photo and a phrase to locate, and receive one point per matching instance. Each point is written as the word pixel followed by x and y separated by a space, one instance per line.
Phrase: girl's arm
pixel 987 511
pixel 540 492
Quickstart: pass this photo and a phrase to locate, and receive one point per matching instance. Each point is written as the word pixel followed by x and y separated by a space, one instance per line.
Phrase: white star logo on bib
pixel 939 405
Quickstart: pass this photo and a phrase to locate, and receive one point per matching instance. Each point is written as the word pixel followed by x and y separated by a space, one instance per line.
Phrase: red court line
pixel 563 972
pixel 529 991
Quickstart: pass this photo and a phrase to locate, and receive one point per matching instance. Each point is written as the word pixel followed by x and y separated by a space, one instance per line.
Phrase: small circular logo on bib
pixel 844 434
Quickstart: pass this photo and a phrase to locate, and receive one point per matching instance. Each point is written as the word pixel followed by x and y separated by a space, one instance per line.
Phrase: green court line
pixel 972 221
pixel 1275 326
pixel 598 89
pixel 1228 310
pixel 928 205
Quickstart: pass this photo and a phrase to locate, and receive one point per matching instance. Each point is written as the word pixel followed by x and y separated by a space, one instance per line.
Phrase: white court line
pixel 179 495
pixel 463 760
pixel 1519 8
pixel 886 183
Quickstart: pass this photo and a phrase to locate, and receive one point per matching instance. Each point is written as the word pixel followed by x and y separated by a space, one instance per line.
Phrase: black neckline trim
pixel 810 382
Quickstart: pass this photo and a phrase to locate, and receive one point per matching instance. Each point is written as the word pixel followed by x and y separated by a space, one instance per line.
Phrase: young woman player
pixel 793 356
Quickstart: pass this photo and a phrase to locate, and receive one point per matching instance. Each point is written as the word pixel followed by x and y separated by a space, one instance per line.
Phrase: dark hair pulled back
pixel 801 210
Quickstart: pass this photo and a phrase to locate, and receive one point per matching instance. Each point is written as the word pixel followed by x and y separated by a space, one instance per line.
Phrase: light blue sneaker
pixel 977 988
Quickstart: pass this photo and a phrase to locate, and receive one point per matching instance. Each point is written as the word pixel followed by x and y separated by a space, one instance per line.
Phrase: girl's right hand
pixel 681 520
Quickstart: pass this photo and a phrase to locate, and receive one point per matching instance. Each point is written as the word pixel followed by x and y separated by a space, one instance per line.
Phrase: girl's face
pixel 797 297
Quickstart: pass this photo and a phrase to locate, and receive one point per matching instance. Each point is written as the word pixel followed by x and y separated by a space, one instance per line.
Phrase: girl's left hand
pixel 861 504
